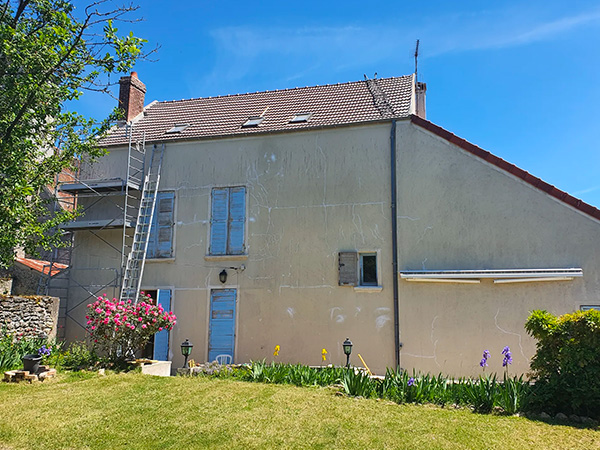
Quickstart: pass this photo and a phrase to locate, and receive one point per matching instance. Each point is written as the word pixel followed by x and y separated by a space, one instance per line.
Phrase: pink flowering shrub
pixel 122 327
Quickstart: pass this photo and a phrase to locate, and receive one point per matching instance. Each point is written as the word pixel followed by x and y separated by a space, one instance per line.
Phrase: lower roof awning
pixel 502 276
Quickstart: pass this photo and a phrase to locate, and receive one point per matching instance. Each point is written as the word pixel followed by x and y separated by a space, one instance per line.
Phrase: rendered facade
pixel 294 194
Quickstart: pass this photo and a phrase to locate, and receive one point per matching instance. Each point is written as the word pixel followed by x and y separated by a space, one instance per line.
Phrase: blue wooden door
pixel 222 323
pixel 161 339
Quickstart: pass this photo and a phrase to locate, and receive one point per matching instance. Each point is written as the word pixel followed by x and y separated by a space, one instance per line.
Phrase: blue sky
pixel 518 78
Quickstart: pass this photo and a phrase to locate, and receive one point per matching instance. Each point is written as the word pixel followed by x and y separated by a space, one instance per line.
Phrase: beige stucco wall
pixel 456 211
pixel 312 194
pixel 309 195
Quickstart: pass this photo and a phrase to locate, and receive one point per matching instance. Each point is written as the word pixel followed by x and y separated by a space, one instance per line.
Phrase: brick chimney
pixel 131 96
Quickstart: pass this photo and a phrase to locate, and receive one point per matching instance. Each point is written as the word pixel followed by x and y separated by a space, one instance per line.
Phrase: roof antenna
pixel 416 57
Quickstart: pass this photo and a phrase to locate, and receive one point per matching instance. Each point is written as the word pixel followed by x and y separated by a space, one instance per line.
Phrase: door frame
pixel 215 287
pixel 172 307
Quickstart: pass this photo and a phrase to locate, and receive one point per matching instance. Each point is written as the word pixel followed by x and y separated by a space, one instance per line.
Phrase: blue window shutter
pixel 161 339
pixel 218 221
pixel 164 211
pixel 237 220
pixel 160 241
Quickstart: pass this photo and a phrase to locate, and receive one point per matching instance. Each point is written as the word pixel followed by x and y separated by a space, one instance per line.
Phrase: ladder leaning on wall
pixel 134 267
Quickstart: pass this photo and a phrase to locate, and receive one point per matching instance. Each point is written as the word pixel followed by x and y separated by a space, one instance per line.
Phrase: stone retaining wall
pixel 31 315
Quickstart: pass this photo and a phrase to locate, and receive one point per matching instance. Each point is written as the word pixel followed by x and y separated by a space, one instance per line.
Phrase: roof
pixel 329 105
pixel 508 167
pixel 41 266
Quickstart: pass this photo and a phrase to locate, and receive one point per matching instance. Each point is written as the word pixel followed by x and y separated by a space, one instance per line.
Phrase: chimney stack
pixel 131 96
pixel 420 89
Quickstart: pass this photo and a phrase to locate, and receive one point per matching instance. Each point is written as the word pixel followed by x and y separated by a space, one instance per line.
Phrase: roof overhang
pixel 502 276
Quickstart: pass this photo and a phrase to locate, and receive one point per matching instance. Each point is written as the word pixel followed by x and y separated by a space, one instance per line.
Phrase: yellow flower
pixel 323 353
pixel 276 352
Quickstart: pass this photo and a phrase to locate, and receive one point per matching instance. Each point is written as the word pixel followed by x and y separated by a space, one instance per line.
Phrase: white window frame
pixel 361 271
pixel 360 287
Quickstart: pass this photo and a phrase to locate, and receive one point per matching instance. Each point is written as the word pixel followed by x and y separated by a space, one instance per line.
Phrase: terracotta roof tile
pixel 210 117
pixel 41 266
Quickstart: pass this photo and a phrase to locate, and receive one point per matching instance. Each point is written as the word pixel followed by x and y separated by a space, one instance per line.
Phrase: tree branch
pixel 21 8
pixel 45 78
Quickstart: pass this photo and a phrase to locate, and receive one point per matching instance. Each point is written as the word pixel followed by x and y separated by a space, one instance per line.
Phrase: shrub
pixel 14 347
pixel 78 356
pixel 566 366
pixel 123 327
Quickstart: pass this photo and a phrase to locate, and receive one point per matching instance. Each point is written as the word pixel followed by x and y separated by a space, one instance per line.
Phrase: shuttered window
pixel 160 242
pixel 227 221
pixel 347 268
pixel 358 269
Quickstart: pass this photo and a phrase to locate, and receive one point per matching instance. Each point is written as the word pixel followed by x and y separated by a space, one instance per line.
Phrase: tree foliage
pixel 50 53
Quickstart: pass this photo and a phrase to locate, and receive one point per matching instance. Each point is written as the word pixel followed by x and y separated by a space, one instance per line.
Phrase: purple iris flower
pixel 411 381
pixel 486 355
pixel 507 357
pixel 44 351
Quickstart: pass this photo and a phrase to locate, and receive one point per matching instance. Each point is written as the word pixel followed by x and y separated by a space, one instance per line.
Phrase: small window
pixel 368 269
pixel 302 117
pixel 253 122
pixel 358 269
pixel 178 128
pixel 588 307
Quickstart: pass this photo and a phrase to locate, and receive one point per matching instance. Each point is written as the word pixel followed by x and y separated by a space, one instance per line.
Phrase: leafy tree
pixel 50 53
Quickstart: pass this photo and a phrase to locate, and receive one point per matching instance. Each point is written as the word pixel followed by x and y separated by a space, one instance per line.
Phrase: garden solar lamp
pixel 347 350
pixel 186 350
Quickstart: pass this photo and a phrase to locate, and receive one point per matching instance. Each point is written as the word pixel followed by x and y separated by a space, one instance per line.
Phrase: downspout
pixel 395 245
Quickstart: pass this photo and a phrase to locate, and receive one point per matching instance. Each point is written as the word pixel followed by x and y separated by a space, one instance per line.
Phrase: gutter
pixel 395 245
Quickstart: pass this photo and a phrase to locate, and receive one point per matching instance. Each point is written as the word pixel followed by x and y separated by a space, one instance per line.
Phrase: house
pixel 304 216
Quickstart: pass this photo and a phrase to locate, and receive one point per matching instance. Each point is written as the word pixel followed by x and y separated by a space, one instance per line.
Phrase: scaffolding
pixel 125 204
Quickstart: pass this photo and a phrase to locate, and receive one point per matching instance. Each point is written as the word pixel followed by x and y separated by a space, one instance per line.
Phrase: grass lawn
pixel 137 411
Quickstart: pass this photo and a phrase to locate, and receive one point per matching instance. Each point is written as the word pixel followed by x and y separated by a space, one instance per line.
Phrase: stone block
pixel 159 369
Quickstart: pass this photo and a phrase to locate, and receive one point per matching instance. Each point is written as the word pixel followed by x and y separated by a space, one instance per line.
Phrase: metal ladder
pixel 134 268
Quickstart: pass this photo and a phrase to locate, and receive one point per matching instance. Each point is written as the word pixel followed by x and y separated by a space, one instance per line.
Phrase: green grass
pixel 136 411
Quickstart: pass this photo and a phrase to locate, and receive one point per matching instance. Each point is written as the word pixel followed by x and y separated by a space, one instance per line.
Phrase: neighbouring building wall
pixel 456 211
pixel 25 279
pixel 29 316
pixel 21 280
pixel 309 195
